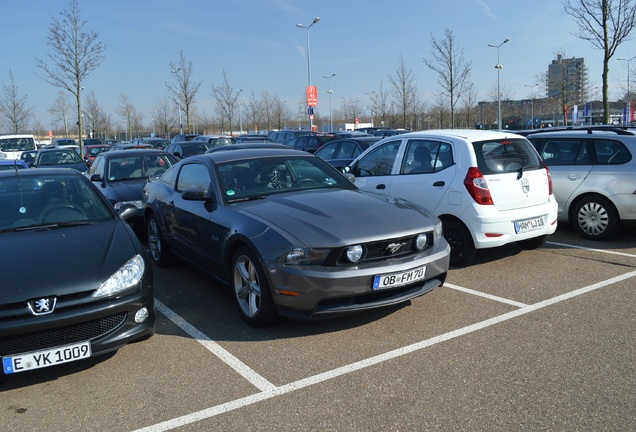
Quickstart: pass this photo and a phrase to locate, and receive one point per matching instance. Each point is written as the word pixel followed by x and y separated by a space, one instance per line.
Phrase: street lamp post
pixel 311 123
pixel 498 66
pixel 330 93
pixel 629 95
pixel 532 104
pixel 176 76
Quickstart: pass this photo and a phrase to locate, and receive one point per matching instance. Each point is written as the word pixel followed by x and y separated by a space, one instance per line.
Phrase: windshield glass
pixel 137 166
pixel 58 157
pixel 250 178
pixel 506 156
pixel 17 144
pixel 31 201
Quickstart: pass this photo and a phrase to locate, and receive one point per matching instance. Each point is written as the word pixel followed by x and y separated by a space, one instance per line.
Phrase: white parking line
pixel 482 294
pixel 245 371
pixel 594 250
pixel 273 391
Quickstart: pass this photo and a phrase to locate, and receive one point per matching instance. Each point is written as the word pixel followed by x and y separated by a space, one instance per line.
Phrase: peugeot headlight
pixel 126 277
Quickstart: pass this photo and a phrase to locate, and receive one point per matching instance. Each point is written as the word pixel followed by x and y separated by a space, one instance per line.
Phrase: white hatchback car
pixel 489 188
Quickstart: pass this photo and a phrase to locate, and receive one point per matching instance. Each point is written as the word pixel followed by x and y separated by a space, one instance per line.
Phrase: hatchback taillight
pixel 549 178
pixel 477 186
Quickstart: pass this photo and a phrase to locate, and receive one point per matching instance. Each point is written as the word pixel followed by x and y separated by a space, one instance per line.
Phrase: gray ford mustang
pixel 291 235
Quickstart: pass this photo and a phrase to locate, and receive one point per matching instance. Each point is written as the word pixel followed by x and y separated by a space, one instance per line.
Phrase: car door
pixel 374 169
pixel 425 173
pixel 569 162
pixel 196 236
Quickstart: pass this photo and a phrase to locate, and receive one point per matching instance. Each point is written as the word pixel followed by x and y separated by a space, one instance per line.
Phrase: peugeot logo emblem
pixel 394 247
pixel 42 306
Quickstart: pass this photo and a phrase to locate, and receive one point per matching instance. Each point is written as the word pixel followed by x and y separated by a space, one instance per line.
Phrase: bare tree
pixel 75 55
pixel 127 112
pixel 163 116
pixel 606 24
pixel 381 104
pixel 226 99
pixel 351 109
pixel 452 68
pixel 15 112
pixel 469 105
pixel 60 110
pixel 183 90
pixel 403 90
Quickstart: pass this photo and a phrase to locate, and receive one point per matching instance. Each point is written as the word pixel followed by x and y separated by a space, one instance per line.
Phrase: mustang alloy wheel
pixel 251 289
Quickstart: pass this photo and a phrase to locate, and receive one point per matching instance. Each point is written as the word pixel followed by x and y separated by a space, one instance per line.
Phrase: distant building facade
pixel 567 80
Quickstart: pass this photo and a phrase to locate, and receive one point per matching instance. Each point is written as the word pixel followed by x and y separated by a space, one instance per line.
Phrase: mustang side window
pixel 193 177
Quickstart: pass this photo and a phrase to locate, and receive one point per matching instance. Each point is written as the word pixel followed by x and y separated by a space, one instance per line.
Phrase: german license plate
pixel 41 359
pixel 398 279
pixel 529 225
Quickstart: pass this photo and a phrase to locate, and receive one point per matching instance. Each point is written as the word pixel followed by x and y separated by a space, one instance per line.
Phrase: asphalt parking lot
pixel 520 340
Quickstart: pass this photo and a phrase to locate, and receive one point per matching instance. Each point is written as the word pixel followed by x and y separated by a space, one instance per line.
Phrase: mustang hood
pixel 125 190
pixel 34 265
pixel 316 216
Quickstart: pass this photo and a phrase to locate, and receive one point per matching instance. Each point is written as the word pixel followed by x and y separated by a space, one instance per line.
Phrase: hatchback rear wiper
pixel 521 171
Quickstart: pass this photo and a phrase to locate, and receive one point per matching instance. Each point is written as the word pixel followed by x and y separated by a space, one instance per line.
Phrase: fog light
pixel 141 315
pixel 421 241
pixel 354 253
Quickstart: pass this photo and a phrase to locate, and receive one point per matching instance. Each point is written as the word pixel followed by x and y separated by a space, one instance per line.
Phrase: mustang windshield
pixel 249 178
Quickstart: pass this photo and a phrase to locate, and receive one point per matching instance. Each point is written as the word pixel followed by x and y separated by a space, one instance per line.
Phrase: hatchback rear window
pixel 506 156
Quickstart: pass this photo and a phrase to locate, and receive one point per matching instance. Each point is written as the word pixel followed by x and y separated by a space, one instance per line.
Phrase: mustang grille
pixel 60 336
pixel 381 250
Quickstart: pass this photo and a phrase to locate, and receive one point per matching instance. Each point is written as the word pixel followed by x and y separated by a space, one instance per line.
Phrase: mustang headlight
pixel 304 256
pixel 137 203
pixel 421 241
pixel 354 253
pixel 438 232
pixel 126 277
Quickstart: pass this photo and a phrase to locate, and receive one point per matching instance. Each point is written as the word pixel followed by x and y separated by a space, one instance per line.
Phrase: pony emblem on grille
pixel 394 247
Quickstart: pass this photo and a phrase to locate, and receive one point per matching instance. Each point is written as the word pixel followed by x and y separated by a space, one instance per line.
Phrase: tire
pixel 532 243
pixel 461 242
pixel 595 218
pixel 251 289
pixel 159 251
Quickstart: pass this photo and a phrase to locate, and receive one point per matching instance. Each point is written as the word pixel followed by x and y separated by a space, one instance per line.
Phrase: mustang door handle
pixel 439 183
pixel 381 186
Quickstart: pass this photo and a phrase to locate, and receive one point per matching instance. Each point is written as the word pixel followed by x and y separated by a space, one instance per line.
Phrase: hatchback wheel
pixel 461 243
pixel 158 249
pixel 251 289
pixel 595 218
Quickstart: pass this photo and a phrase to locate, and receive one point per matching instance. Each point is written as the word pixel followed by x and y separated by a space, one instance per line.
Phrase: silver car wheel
pixel 247 286
pixel 596 218
pixel 593 218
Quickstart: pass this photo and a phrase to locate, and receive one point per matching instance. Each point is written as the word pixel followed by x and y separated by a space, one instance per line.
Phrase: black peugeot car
pixel 76 280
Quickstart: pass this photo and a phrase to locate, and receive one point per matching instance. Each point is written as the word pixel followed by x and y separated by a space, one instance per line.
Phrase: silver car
pixel 593 176
pixel 291 235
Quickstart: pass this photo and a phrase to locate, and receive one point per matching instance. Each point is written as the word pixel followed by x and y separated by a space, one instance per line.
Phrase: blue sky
pixel 259 46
